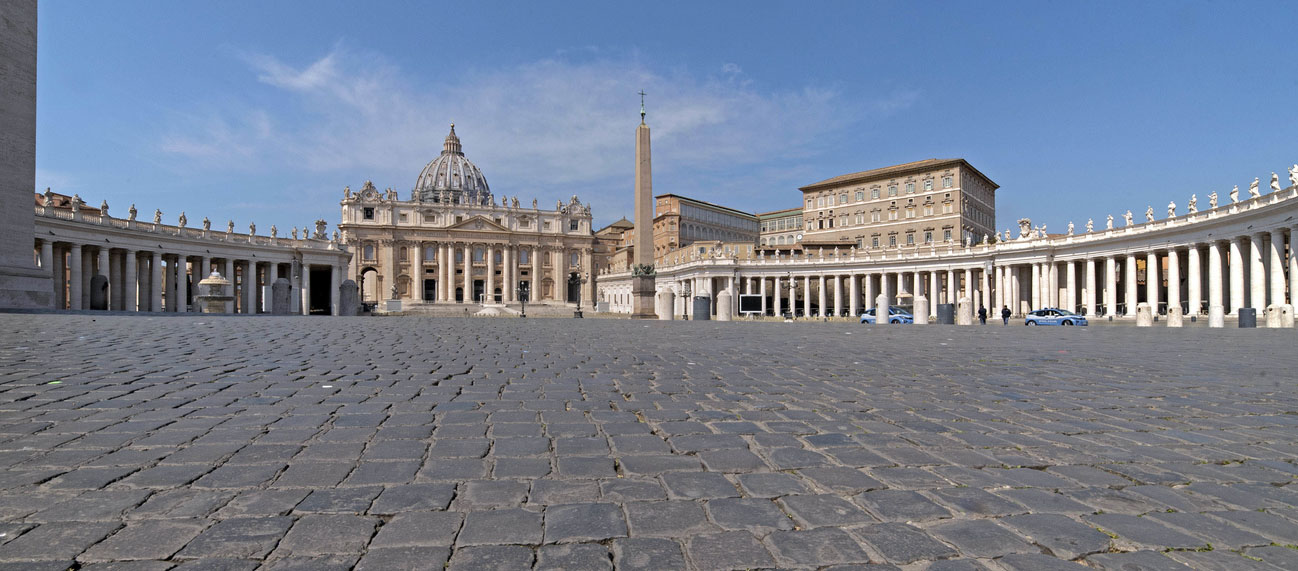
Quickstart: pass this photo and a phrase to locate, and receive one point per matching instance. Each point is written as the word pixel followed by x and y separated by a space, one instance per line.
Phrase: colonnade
pixel 160 281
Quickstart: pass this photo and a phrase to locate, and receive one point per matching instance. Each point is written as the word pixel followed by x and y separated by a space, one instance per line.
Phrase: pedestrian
pixel 982 315
pixel 1005 315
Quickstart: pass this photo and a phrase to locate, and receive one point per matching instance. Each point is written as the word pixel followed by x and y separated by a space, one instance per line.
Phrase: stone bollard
pixel 1279 316
pixel 1286 316
pixel 1216 316
pixel 99 292
pixel 723 305
pixel 349 299
pixel 666 302
pixel 1174 317
pixel 281 297
pixel 964 311
pixel 921 310
pixel 1144 315
pixel 881 313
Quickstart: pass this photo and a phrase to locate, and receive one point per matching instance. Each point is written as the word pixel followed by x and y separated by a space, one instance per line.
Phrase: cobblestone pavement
pixel 319 443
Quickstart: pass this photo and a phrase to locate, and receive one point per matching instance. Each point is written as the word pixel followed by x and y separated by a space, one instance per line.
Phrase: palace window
pixel 928 210
pixel 892 190
pixel 892 241
pixel 820 202
pixel 892 214
pixel 910 238
pixel 948 208
pixel 860 195
pixel 910 188
pixel 809 204
pixel 874 193
pixel 910 212
pixel 368 213
pixel 874 216
pixel 842 198
pixel 946 181
pixel 860 218
pixel 874 242
pixel 928 184
pixel 946 235
pixel 928 236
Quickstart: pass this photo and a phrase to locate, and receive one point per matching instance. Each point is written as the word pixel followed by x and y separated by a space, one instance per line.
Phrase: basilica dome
pixel 450 177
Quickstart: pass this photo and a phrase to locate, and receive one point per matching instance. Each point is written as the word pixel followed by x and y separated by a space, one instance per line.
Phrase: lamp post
pixel 793 289
pixel 576 280
pixel 688 299
pixel 522 291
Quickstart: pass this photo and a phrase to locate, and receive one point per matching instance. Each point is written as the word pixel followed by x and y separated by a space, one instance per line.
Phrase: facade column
pixel 1173 279
pixel 1129 278
pixel 74 281
pixel 1070 285
pixel 775 310
pixel 1214 275
pixel 934 290
pixel 507 274
pixel 1236 275
pixel 103 266
pixel 883 312
pixel 268 297
pixel 1090 287
pixel 838 294
pixel 229 275
pixel 416 272
pixel 1277 266
pixel 869 291
pixel 917 289
pixel 130 295
pixel 1194 287
pixel 168 289
pixel 490 288
pixel 182 284
pixel 1256 273
pixel 467 282
pixel 249 285
pixel 87 270
pixel 1053 284
pixel 389 272
pixel 952 287
pixel 1110 286
pixel 1153 277
pixel 445 263
pixel 984 283
pixel 1036 286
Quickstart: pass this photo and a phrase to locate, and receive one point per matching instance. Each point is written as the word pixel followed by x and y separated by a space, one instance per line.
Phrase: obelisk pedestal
pixel 642 255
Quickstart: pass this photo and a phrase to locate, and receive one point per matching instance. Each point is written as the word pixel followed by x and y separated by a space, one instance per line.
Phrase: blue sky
pixel 263 111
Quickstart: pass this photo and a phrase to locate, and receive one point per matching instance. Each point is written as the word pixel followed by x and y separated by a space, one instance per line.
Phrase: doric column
pixel 998 290
pixel 87 271
pixel 268 291
pixel 1129 278
pixel 1173 279
pixel 1214 275
pixel 775 307
pixel 917 289
pixel 1014 274
pixel 181 294
pixel 806 296
pixel 1153 277
pixel 467 282
pixel 1236 275
pixel 204 268
pixel 335 288
pixel 1277 266
pixel 507 274
pixel 1293 264
pixel 821 302
pixel 417 271
pixel 130 295
pixel 1090 287
pixel 168 282
pixel 838 294
pixel 952 287
pixel 1036 286
pixel 102 269
pixel 445 272
pixel 934 290
pixel 1256 273
pixel 249 285
pixel 1052 284
pixel 1110 286
pixel 984 283
pixel 1194 285
pixel 854 295
pixel 74 280
pixel 305 290
pixel 885 291
pixel 869 291
pixel 229 275
pixel 389 271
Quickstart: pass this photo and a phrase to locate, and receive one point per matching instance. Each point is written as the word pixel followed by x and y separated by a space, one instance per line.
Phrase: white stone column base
pixel 1144 315
pixel 1216 316
pixel 921 310
pixel 723 305
pixel 881 314
pixel 964 312
pixel 666 305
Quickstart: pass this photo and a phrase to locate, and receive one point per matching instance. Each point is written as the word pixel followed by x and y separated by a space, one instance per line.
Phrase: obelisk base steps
pixel 642 298
pixel 25 288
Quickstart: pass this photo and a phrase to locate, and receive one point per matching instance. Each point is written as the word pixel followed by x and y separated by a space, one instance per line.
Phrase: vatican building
pixel 451 242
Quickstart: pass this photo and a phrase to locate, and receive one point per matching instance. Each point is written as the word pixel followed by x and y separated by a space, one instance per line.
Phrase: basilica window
pixel 402 254
pixel 574 225
pixel 403 217
pixel 430 254
pixel 547 225
pixel 574 260
pixel 459 255
pixel 477 255
pixel 368 213
pixel 524 256
pixel 368 251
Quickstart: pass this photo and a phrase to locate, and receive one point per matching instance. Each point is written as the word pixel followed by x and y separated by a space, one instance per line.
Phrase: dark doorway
pixel 320 294
pixel 478 288
pixel 430 289
pixel 459 295
pixel 495 296
pixel 574 287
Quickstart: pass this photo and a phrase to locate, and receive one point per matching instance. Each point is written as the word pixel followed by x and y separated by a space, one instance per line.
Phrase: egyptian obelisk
pixel 642 271
pixel 22 284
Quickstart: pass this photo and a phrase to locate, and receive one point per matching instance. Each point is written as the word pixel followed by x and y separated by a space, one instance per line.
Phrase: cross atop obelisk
pixel 642 94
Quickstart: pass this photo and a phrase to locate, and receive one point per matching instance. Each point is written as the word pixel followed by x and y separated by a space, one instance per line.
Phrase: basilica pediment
pixel 479 223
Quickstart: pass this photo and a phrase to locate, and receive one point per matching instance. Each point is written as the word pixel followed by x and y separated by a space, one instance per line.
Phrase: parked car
pixel 1053 316
pixel 895 315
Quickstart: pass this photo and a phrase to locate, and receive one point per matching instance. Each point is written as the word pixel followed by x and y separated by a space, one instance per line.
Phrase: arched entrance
pixel 370 284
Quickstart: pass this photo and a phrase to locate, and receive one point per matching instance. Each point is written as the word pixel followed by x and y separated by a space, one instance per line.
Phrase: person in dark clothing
pixel 982 315
pixel 1005 315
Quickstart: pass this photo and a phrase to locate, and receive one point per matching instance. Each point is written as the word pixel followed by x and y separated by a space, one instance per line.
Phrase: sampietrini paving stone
pixel 329 443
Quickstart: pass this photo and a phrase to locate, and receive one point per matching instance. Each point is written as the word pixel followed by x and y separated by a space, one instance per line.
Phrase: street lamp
pixel 576 280
pixel 522 291
pixel 687 300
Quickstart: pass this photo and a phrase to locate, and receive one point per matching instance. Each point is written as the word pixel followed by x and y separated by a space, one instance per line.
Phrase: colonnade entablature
pixel 97 261
pixel 1232 256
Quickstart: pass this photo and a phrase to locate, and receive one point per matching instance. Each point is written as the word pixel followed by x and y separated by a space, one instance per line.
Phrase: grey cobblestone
pixel 169 443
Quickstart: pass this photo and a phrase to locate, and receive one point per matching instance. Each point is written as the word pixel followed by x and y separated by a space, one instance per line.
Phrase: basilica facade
pixel 451 241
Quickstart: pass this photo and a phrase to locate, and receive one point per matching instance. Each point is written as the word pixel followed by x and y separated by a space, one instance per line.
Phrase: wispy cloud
pixel 59 182
pixel 539 128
